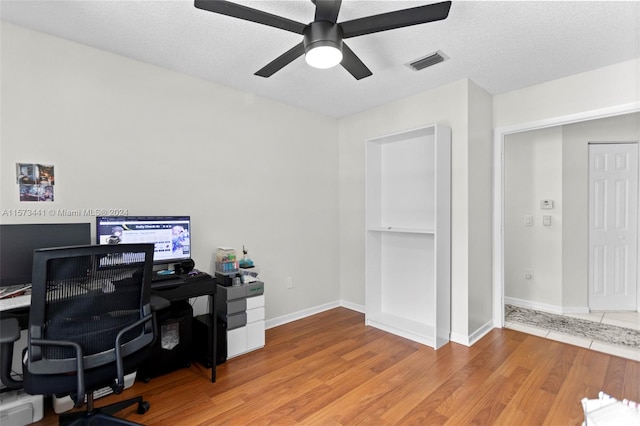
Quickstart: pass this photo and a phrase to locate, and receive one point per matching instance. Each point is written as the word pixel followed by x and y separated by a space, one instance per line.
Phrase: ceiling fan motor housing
pixel 322 33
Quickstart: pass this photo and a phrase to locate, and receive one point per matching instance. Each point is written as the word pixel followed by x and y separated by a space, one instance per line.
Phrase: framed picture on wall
pixel 35 181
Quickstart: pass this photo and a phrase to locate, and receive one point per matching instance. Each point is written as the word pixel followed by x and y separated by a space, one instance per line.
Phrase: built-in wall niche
pixel 408 210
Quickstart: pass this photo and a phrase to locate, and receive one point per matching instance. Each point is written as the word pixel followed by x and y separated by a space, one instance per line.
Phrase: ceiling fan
pixel 322 42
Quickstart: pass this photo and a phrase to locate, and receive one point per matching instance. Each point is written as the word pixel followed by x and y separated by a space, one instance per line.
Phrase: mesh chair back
pixel 89 295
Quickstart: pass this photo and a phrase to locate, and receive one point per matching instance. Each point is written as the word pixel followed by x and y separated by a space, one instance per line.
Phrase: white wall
pixel 480 212
pixel 533 172
pixel 128 135
pixel 602 88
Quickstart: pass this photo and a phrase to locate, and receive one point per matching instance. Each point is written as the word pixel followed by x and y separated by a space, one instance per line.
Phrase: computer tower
pixel 221 342
pixel 172 347
pixel 202 346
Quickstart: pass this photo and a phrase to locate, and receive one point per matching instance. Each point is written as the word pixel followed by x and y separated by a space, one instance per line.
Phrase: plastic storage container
pixel 226 261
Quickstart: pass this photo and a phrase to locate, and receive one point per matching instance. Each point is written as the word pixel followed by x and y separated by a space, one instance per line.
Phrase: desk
pixel 15 302
pixel 173 290
pixel 177 289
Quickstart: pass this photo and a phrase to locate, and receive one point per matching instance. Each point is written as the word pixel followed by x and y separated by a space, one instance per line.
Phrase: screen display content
pixel 171 235
pixel 17 243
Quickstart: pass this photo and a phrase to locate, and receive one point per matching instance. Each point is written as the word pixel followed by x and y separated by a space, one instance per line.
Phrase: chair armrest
pixel 118 387
pixel 36 368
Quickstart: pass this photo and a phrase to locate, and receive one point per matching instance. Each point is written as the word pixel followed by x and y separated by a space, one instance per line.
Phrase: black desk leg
pixel 213 335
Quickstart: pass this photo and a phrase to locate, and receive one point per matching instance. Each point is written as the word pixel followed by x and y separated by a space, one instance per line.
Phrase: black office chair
pixel 90 322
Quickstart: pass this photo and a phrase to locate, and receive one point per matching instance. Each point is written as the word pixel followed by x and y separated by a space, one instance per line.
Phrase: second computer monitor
pixel 171 235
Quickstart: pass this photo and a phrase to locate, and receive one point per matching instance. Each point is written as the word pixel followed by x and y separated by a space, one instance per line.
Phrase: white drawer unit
pixel 241 308
pixel 255 309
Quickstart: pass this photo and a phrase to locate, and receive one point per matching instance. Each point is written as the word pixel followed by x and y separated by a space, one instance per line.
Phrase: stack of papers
pixel 607 410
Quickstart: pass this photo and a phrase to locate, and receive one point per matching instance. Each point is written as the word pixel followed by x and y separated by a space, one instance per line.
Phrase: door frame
pixel 498 187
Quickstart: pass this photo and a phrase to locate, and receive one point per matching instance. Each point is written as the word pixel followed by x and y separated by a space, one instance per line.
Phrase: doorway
pixel 499 205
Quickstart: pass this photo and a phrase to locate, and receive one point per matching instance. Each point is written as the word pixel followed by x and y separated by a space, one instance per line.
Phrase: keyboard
pixel 176 280
pixel 15 302
pixel 167 283
pixel 195 276
pixel 163 277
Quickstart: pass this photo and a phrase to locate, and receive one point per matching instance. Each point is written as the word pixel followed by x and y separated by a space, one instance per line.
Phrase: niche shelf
pixel 408 234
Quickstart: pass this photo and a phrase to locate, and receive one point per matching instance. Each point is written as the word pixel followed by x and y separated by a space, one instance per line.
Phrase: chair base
pixel 104 415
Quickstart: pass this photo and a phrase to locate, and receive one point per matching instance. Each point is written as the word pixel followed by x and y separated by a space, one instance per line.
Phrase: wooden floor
pixel 330 369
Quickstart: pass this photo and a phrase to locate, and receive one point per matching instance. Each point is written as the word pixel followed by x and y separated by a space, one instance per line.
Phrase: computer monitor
pixel 171 235
pixel 18 241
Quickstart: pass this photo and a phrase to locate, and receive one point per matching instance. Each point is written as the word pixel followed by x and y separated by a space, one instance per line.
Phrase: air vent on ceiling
pixel 427 61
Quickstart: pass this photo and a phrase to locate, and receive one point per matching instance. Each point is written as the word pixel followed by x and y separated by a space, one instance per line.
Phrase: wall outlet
pixel 528 274
pixel 289 282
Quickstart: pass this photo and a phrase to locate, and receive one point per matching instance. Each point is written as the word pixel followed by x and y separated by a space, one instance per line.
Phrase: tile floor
pixel 621 319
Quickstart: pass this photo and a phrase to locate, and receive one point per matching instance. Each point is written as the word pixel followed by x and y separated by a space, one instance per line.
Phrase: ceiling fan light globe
pixel 323 57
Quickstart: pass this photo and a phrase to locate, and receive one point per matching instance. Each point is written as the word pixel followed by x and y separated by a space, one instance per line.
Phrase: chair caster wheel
pixel 143 407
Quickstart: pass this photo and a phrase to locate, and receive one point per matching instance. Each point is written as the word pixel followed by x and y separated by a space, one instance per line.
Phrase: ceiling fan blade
pixel 248 14
pixel 281 61
pixel 353 64
pixel 397 19
pixel 327 10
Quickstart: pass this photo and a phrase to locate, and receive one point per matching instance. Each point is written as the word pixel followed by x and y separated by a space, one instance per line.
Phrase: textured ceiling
pixel 501 46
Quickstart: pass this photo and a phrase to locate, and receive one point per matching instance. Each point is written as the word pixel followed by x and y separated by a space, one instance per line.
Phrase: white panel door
pixel 613 226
